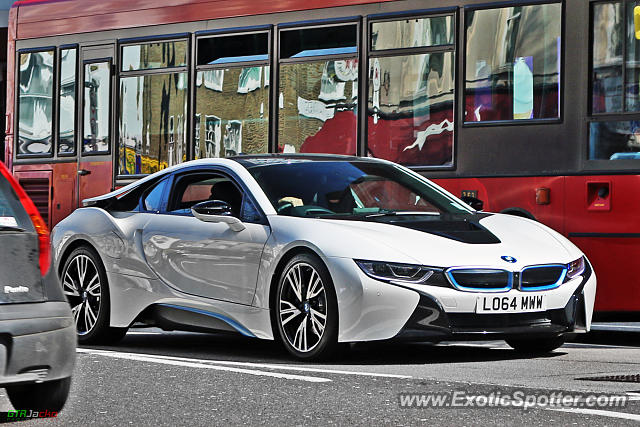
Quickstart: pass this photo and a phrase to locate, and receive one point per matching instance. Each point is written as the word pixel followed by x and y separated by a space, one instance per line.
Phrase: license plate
pixel 511 304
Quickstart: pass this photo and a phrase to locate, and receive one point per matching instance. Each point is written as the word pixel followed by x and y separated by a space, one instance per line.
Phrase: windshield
pixel 350 188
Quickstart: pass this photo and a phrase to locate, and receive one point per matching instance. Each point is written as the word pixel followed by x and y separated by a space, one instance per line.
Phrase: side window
pixel 196 188
pixel 153 199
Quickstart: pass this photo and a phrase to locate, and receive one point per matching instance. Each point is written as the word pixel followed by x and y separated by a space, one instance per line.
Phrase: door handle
pixel 83 172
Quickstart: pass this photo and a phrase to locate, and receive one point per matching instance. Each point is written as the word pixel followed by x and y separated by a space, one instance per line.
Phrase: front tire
pixel 306 309
pixel 84 281
pixel 47 396
pixel 536 345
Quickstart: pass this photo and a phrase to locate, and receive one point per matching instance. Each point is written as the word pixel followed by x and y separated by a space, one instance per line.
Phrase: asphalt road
pixel 155 378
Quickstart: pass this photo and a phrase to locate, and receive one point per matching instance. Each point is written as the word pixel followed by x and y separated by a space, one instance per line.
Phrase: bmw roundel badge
pixel 508 258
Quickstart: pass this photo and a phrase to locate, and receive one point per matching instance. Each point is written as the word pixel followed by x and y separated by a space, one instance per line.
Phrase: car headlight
pixel 575 268
pixel 403 273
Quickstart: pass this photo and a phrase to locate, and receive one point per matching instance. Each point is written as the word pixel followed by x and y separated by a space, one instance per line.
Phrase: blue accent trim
pixel 246 58
pixel 161 37
pixel 324 52
pixel 233 30
pixel 237 326
pixel 415 13
pixel 489 290
pixel 320 21
pixel 557 284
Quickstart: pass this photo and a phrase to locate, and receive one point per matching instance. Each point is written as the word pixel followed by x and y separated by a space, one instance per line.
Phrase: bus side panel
pixel 65 191
pixel 515 195
pixel 52 187
pixel 98 180
pixel 602 220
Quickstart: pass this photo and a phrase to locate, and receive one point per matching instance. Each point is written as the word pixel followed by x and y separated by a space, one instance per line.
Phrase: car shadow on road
pixel 241 349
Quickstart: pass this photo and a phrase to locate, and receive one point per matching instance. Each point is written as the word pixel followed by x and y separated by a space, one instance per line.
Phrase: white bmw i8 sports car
pixel 316 250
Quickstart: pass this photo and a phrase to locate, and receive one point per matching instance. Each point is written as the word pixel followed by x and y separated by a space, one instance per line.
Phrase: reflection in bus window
pixel 513 63
pixel 35 103
pixel 410 108
pixel 97 88
pixel 318 107
pixel 154 55
pixel 152 125
pixel 232 111
pixel 614 140
pixel 607 57
pixel 408 33
pixel 67 116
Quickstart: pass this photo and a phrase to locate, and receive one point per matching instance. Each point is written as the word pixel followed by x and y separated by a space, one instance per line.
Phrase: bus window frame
pixel 513 122
pixel 118 178
pixel 109 149
pixel 452 47
pixel 16 141
pixel 269 62
pixel 361 49
pixel 57 107
pixel 625 166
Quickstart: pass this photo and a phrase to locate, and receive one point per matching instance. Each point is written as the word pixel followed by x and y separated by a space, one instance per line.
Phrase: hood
pixel 527 241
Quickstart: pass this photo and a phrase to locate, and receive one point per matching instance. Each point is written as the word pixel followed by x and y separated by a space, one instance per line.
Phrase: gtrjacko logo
pixel 25 414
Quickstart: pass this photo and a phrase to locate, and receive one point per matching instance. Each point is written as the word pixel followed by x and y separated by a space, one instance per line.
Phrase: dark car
pixel 37 329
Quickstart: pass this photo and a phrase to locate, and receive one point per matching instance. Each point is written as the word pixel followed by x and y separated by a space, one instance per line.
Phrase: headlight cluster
pixel 403 273
pixel 575 268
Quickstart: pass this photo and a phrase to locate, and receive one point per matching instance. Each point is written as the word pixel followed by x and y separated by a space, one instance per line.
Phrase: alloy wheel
pixel 303 307
pixel 81 284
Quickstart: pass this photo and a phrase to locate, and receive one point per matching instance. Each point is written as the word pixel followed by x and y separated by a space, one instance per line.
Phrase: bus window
pixel 608 46
pixel 513 63
pixel 416 32
pixel 149 139
pixel 154 55
pixel 35 110
pixel 67 99
pixel 410 112
pixel 318 94
pixel 232 95
pixel 97 94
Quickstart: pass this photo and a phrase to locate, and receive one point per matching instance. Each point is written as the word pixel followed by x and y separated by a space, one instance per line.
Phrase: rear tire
pixel 536 345
pixel 305 309
pixel 47 396
pixel 84 281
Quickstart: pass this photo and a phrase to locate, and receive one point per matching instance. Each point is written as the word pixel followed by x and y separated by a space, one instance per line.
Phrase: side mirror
pixel 475 203
pixel 217 211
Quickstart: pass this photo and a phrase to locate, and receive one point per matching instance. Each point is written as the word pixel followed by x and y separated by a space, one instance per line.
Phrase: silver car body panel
pixel 183 262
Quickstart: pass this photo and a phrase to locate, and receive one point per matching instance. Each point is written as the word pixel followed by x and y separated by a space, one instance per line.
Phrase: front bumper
pixel 431 322
pixel 373 310
pixel 37 342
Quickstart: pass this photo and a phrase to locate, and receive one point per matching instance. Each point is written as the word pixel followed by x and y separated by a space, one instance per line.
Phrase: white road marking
pixel 601 412
pixel 282 367
pixel 143 333
pixel 274 366
pixel 154 359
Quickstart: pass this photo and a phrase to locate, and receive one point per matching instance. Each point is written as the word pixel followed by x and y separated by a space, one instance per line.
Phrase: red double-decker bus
pixel 532 107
